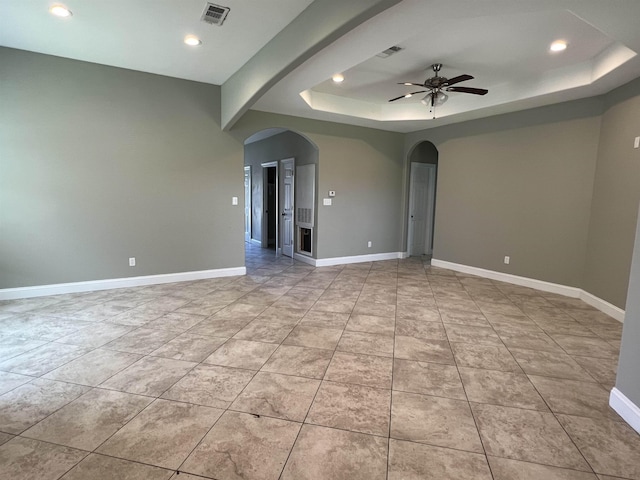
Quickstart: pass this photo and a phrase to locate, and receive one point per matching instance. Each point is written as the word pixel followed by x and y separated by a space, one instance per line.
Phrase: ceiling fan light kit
pixel 436 86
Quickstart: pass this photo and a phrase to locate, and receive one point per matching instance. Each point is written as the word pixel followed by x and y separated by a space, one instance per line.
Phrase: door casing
pixel 247 203
pixel 286 201
pixel 422 188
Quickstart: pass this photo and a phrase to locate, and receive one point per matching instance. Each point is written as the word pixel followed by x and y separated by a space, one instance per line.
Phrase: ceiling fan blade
pixel 411 83
pixel 458 79
pixel 474 91
pixel 407 95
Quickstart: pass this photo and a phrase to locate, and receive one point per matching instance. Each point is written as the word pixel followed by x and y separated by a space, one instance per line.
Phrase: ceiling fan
pixel 436 87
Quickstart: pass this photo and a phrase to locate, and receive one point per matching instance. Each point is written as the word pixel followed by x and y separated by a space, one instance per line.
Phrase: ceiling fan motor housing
pixel 435 82
pixel 436 85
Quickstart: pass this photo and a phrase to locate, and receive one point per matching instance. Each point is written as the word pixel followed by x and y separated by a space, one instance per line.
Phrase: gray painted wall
pixel 518 185
pixel 628 379
pixel 284 145
pixel 100 164
pixel 538 165
pixel 123 164
pixel 616 195
pixel 364 167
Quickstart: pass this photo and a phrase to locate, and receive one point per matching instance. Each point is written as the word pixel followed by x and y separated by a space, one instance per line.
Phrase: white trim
pixel 256 242
pixel 602 305
pixel 248 202
pixel 429 207
pixel 373 257
pixel 509 278
pixel 572 292
pixel 107 284
pixel 304 258
pixel 282 172
pixel 403 254
pixel 628 410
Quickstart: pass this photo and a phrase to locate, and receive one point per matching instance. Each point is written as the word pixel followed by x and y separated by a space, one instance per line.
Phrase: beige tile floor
pixel 388 370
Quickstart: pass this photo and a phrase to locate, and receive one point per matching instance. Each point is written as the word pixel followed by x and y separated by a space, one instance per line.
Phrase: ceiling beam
pixel 319 25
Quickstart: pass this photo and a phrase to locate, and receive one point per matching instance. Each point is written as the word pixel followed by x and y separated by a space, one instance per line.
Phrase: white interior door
pixel 247 204
pixel 421 208
pixel 286 224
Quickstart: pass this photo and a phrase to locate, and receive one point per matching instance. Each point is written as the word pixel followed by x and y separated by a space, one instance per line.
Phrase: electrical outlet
pixel 507 259
pixel 369 244
pixel 132 261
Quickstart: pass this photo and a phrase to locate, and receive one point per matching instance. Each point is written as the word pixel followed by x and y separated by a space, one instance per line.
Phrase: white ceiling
pixel 502 43
pixel 147 35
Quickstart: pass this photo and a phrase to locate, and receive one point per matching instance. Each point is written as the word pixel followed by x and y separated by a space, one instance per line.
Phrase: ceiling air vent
pixel 215 14
pixel 389 51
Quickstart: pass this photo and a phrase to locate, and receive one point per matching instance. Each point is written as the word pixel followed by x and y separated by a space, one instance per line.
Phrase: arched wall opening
pixel 281 168
pixel 422 175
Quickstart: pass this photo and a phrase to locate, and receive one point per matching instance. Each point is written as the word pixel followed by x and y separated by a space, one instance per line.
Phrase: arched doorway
pixel 282 165
pixel 423 174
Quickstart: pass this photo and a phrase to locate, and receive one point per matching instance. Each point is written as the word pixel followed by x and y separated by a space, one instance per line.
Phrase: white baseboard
pixel 304 259
pixel 509 278
pixel 565 290
pixel 628 410
pixel 602 305
pixel 93 285
pixel 256 242
pixel 373 257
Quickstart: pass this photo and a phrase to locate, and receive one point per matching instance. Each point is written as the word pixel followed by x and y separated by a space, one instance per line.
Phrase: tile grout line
pixel 540 395
pixel 304 420
pixel 275 275
pixel 393 364
pixel 464 389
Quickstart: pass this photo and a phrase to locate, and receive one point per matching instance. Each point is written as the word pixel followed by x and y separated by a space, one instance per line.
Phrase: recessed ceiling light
pixel 558 46
pixel 408 95
pixel 338 78
pixel 60 11
pixel 192 40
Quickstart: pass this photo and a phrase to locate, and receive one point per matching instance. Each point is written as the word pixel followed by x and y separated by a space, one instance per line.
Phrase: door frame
pixel 293 204
pixel 264 235
pixel 248 206
pixel 430 208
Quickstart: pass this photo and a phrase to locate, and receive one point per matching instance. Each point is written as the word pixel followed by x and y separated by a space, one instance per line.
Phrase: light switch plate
pixel 326 201
pixel 234 200
pixel 636 142
pixel 332 193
